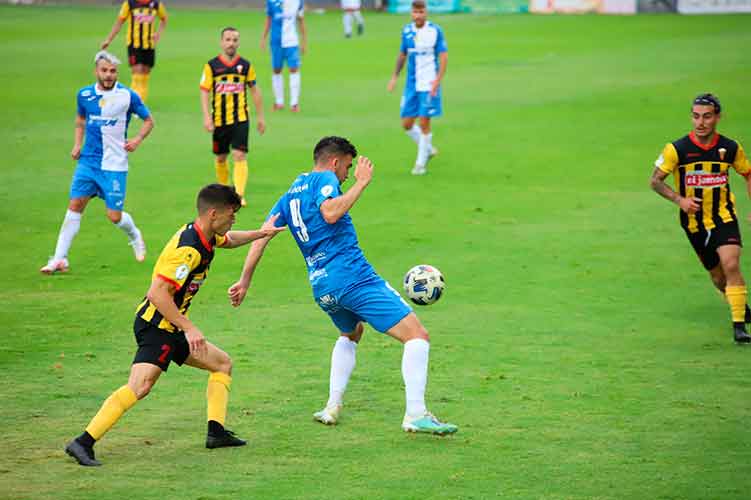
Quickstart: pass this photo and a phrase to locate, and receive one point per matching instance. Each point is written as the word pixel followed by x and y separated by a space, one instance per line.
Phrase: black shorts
pixel 235 135
pixel 141 56
pixel 159 347
pixel 705 242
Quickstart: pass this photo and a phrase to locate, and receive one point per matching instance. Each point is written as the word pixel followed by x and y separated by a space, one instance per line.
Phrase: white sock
pixel 358 18
pixel 277 84
pixel 347 20
pixel 294 88
pixel 414 133
pixel 423 149
pixel 342 363
pixel 127 225
pixel 415 373
pixel 68 231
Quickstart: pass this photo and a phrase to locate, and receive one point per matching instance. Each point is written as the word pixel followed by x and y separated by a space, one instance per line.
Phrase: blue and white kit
pixel 422 47
pixel 285 41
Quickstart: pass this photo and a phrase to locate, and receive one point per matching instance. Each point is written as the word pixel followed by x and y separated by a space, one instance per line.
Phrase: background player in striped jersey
pixel 141 38
pixel 351 10
pixel 163 331
pixel 104 111
pixel 226 77
pixel 282 19
pixel 345 285
pixel 700 163
pixel 424 49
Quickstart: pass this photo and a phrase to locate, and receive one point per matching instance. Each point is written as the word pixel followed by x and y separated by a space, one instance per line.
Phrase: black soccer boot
pixel 747 319
pixel 83 454
pixel 740 334
pixel 219 437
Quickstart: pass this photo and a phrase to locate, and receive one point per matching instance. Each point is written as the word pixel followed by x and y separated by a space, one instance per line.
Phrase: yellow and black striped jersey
pixel 702 172
pixel 184 263
pixel 141 16
pixel 227 81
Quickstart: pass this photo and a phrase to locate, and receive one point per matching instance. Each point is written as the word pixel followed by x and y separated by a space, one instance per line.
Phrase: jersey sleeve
pixel 277 209
pixel 440 42
pixel 301 9
pixel 328 187
pixel 137 106
pixel 162 11
pixel 668 159
pixel 207 78
pixel 250 79
pixel 741 164
pixel 403 46
pixel 80 108
pixel 124 11
pixel 269 8
pixel 221 241
pixel 175 266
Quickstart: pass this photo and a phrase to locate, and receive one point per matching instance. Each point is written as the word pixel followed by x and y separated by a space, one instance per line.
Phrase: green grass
pixel 579 346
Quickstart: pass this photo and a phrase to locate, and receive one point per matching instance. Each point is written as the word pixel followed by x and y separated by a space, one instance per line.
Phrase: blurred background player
pixel 104 111
pixel 163 331
pixel 344 283
pixel 141 38
pixel 700 162
pixel 424 48
pixel 282 19
pixel 351 10
pixel 226 76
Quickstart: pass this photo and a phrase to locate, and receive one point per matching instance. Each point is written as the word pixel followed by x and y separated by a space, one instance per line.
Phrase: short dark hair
pixel 217 196
pixel 419 4
pixel 228 28
pixel 333 145
pixel 708 100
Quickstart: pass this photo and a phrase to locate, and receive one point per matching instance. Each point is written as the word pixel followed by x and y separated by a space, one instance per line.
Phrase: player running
pixel 227 77
pixel 104 111
pixel 700 162
pixel 344 284
pixel 424 49
pixel 163 331
pixel 141 38
pixel 282 17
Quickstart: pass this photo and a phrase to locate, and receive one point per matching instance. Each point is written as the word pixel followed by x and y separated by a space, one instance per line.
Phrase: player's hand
pixel 261 125
pixel 132 144
pixel 208 124
pixel 269 227
pixel 237 293
pixel 196 341
pixel 155 38
pixel 391 84
pixel 75 153
pixel 434 87
pixel 105 44
pixel 690 205
pixel 364 170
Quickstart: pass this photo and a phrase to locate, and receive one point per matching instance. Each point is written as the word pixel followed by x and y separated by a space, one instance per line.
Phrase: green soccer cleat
pixel 329 415
pixel 427 423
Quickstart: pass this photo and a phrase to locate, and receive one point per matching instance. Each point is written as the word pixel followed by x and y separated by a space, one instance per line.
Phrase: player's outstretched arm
pixel 113 33
pixel 238 291
pixel 334 208
pixel 398 69
pixel 132 144
pixel 268 230
pixel 161 294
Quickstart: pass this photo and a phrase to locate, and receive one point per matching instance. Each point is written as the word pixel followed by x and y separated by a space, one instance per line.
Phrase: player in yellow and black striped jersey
pixel 225 80
pixel 142 37
pixel 162 329
pixel 700 163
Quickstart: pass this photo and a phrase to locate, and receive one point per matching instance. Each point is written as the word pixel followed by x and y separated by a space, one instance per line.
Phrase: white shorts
pixel 351 4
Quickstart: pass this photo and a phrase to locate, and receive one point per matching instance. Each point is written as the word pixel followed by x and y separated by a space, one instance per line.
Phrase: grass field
pixel 579 346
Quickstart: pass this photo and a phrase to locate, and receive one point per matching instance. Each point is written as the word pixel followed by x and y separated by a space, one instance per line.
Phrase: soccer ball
pixel 424 284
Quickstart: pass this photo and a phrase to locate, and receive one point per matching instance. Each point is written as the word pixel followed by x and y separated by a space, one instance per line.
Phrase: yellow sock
pixel 736 296
pixel 222 171
pixel 241 177
pixel 217 395
pixel 145 86
pixel 112 409
pixel 135 83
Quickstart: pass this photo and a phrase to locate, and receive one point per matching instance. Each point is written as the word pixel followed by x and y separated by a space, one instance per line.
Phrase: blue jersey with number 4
pixel 332 253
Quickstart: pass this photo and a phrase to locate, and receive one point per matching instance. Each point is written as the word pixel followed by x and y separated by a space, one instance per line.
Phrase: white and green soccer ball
pixel 424 284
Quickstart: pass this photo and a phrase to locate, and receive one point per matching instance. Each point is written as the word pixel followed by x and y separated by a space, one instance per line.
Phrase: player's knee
pixel 225 364
pixel 357 334
pixel 143 387
pixel 114 217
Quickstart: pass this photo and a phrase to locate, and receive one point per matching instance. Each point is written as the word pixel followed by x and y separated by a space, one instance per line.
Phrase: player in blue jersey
pixel 424 49
pixel 282 19
pixel 104 112
pixel 344 284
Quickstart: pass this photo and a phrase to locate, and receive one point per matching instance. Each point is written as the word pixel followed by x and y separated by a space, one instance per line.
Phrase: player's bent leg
pixel 219 365
pixel 343 361
pixel 124 221
pixel 735 290
pixel 58 263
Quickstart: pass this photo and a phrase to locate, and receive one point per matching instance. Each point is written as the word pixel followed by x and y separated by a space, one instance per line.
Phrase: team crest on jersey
pixel 182 272
pixel 327 190
pixel 722 152
pixel 239 68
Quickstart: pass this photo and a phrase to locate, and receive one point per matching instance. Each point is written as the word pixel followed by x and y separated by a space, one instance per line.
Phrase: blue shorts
pixel 420 104
pixel 280 54
pixel 372 301
pixel 110 186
